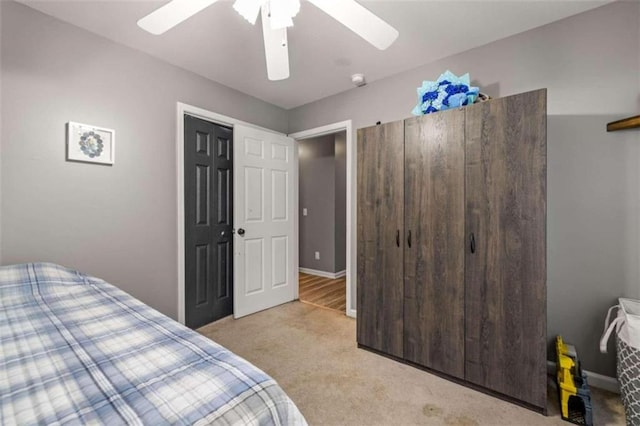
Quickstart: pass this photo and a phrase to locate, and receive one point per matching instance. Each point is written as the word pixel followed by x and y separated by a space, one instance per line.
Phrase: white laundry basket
pixel 627 326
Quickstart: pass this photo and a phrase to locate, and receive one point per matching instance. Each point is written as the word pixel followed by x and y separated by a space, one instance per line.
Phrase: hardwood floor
pixel 323 292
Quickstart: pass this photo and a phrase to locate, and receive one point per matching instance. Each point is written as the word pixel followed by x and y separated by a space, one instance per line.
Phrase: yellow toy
pixel 572 383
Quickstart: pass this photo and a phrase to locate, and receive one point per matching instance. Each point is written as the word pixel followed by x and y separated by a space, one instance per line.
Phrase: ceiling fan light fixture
pixel 248 9
pixel 282 13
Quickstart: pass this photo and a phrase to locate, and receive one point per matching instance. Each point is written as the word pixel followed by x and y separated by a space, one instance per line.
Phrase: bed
pixel 77 350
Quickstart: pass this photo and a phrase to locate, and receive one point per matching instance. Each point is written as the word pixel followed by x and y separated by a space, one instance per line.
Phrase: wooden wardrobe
pixel 452 244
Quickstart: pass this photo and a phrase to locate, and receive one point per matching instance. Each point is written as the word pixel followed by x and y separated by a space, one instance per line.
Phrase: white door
pixel 264 210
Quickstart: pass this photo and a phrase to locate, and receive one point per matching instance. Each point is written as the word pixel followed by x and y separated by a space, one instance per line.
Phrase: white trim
pixel 296 219
pixel 351 199
pixel 194 111
pixel 322 130
pixel 596 380
pixel 324 274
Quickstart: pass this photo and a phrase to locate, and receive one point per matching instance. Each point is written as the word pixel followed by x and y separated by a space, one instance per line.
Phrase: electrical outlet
pixel 317 255
pixel 304 211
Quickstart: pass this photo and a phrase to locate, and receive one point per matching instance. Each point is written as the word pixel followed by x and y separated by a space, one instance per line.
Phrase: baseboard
pixel 596 380
pixel 324 274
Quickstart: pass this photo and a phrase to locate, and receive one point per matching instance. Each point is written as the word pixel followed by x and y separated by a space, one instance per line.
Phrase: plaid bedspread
pixel 77 350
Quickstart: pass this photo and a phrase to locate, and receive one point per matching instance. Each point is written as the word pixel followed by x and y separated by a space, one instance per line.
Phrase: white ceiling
pixel 220 45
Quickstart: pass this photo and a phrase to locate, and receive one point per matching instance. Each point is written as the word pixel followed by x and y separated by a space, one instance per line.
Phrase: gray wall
pixel 317 195
pixel 590 64
pixel 119 222
pixel 341 202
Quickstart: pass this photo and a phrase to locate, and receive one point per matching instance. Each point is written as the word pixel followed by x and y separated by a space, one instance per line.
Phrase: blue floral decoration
pixel 91 144
pixel 448 91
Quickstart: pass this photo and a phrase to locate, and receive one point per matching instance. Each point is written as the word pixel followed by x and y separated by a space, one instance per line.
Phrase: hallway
pixel 323 292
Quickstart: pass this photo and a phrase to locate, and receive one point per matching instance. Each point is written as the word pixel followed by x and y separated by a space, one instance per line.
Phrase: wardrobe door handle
pixel 398 238
pixel 472 242
pixel 409 239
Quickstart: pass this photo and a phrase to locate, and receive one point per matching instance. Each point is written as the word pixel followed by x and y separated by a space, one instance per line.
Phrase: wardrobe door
pixel 434 245
pixel 380 227
pixel 506 246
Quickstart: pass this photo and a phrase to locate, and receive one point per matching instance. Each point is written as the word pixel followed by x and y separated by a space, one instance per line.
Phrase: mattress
pixel 77 350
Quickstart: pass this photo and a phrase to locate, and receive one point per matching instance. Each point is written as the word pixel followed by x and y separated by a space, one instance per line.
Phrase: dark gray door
pixel 208 198
pixel 434 258
pixel 506 169
pixel 380 235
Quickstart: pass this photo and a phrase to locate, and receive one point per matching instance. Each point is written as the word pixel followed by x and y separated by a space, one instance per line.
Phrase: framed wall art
pixel 90 144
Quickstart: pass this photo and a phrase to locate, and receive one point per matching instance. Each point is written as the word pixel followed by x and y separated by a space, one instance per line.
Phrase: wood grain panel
pixel 506 276
pixel 434 264
pixel 380 219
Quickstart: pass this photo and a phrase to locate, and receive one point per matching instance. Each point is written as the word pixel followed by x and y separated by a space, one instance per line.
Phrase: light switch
pixel 304 211
pixel 317 255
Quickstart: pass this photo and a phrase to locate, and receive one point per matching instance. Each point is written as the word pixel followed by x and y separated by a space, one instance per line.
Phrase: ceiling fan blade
pixel 359 20
pixel 171 14
pixel 276 49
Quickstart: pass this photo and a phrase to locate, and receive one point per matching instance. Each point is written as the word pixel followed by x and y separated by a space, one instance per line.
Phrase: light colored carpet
pixel 313 355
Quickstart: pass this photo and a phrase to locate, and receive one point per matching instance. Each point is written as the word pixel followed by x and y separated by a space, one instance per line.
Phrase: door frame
pixel 181 110
pixel 351 201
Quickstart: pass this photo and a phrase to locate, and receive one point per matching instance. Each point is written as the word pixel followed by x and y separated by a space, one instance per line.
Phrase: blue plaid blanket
pixel 77 350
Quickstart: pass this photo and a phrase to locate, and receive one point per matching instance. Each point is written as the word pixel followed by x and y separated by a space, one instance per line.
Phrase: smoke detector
pixel 358 80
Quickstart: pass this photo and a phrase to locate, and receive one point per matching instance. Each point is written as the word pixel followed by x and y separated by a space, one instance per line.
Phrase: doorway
pixel 208 213
pixel 322 169
pixel 351 241
pixel 262 211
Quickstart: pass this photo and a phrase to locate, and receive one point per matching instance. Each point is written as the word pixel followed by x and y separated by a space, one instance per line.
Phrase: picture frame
pixel 90 144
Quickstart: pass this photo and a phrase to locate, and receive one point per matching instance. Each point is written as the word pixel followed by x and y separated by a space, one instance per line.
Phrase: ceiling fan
pixel 277 16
